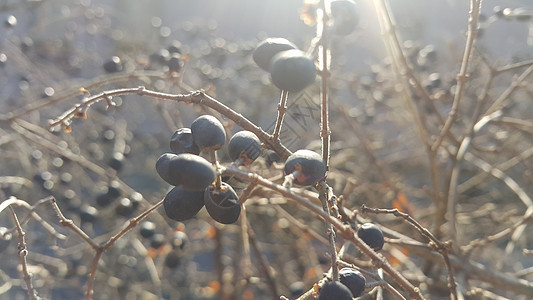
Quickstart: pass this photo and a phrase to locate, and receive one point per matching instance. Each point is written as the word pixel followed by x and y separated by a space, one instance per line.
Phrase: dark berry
pixel 245 145
pixel 175 63
pixel 345 16
pixel 297 289
pixel 175 47
pixel 272 157
pixel 309 166
pixel 179 239
pixel 292 70
pixel 116 161
pixel 147 229
pixel 114 190
pixel 160 57
pixel 5 239
pixel 113 65
pixel 182 142
pixel 181 205
pixel 222 205
pixel 267 49
pixel 189 171
pixel 158 240
pixel 88 214
pixel 208 133
pixel 335 290
pixel 371 235
pixel 172 260
pixel 353 280
pixel 136 199
pixel 109 194
pixel 104 199
pixel 124 207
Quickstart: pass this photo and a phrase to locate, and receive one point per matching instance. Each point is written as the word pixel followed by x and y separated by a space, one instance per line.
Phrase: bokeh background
pixel 56 47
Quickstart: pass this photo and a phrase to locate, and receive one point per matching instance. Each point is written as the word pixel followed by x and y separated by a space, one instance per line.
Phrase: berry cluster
pixel 351 284
pixel 193 176
pixel 290 69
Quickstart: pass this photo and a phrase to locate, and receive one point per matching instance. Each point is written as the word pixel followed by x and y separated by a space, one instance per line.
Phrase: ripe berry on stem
pixel 371 235
pixel 267 49
pixel 244 145
pixel 208 133
pixel 181 205
pixel 189 171
pixel 306 166
pixel 292 70
pixel 222 204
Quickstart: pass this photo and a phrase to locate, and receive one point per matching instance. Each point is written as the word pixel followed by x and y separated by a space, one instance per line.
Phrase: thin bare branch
pixel 23 252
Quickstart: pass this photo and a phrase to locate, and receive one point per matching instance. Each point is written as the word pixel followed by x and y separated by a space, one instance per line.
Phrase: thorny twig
pixel 325 193
pixel 12 201
pixel 99 249
pixel 23 252
pixel 73 92
pixel 440 247
pixel 401 68
pixel 198 97
pixel 263 262
pixel 462 77
pixel 282 109
pixel 345 231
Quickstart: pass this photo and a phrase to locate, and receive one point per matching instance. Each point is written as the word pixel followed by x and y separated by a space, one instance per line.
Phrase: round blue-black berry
pixel 189 171
pixel 147 229
pixel 267 49
pixel 371 235
pixel 125 208
pixel 113 65
pixel 222 205
pixel 345 16
pixel 182 142
pixel 179 239
pixel 158 240
pixel 208 133
pixel 173 259
pixel 334 290
pixel 88 214
pixel 181 205
pixel 292 70
pixel 353 280
pixel 310 166
pixel 245 145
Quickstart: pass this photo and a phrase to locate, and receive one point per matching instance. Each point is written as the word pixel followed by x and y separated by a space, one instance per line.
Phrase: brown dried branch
pixel 462 76
pixel 282 109
pixel 440 247
pixel 345 231
pixel 12 201
pixel 491 238
pixel 406 77
pixel 70 224
pixel 73 92
pixel 325 195
pixel 23 252
pixel 263 262
pixel 198 97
